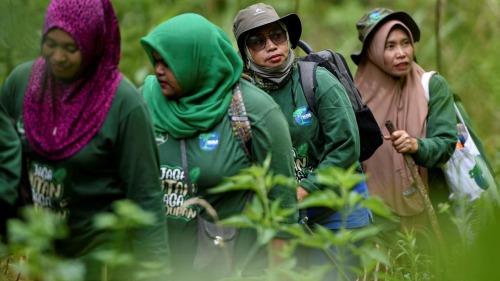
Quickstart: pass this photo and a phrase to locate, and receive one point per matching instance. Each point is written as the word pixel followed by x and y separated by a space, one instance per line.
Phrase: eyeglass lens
pixel 258 42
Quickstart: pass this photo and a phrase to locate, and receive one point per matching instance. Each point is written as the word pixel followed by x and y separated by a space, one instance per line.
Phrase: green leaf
pixel 265 235
pixel 105 221
pixel 377 206
pixel 365 233
pixel 113 257
pixel 283 214
pixel 255 210
pixel 296 230
pixel 324 198
pixel 133 214
pixel 240 221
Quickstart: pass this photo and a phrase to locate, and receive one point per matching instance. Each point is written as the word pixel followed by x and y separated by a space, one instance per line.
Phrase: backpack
pixel 369 132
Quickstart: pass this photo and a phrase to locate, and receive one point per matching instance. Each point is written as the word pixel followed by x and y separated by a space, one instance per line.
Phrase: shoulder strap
pixel 347 81
pixel 426 79
pixel 307 73
pixel 239 120
pixel 185 168
pixel 341 62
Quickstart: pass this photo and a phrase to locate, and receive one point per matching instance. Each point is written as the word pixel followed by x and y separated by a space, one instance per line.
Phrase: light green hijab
pixel 206 67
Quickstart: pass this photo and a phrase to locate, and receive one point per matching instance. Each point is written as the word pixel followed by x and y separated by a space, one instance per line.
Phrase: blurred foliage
pixel 30 253
pixel 469 37
pixel 34 235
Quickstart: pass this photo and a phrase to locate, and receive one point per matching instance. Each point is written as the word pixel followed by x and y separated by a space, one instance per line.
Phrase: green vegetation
pixel 30 253
pixel 467 257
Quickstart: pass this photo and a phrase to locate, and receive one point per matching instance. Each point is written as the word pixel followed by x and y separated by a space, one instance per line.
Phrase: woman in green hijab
pixel 196 71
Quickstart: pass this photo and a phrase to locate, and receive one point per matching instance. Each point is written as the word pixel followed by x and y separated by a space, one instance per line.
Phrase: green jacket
pixel 10 159
pixel 330 140
pixel 10 170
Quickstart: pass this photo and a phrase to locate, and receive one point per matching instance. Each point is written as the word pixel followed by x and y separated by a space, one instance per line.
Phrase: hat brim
pixel 403 17
pixel 293 26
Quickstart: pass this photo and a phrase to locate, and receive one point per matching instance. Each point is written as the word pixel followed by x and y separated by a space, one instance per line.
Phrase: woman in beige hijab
pixel 390 81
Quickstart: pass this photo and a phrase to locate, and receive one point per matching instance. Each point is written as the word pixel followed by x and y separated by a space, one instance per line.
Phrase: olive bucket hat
pixel 374 19
pixel 261 14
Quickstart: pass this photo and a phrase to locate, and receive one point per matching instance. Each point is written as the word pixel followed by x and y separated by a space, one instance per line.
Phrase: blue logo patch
pixel 375 17
pixel 209 141
pixel 302 116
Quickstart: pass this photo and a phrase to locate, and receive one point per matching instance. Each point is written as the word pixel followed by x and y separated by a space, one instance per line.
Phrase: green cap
pixel 372 20
pixel 261 14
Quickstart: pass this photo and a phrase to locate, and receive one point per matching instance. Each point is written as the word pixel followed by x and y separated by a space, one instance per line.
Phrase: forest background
pixel 460 39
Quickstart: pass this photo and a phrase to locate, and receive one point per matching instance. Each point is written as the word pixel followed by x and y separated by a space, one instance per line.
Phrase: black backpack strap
pixel 341 62
pixel 239 120
pixel 346 79
pixel 307 73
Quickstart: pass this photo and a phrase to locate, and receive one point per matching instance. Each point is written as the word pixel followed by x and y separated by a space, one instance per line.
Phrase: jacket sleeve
pixel 138 159
pixel 11 98
pixel 270 135
pixel 10 160
pixel 438 146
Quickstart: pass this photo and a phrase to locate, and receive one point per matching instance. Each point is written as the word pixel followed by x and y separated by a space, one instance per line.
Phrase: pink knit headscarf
pixel 60 117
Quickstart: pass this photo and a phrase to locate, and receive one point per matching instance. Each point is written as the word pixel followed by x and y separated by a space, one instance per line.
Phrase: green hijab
pixel 206 67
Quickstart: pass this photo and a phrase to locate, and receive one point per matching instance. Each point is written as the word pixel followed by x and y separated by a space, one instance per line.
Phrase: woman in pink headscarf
pixel 390 81
pixel 86 132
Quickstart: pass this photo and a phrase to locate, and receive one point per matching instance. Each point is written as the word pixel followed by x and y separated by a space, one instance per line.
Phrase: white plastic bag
pixel 466 172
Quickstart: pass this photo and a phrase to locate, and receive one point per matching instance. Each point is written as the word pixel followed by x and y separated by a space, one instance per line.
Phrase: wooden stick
pixel 420 187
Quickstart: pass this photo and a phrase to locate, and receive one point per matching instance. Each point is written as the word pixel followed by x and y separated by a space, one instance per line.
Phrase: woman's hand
pixel 301 193
pixel 402 142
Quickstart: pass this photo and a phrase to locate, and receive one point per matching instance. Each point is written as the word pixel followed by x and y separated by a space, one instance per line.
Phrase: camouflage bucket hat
pixel 372 20
pixel 261 14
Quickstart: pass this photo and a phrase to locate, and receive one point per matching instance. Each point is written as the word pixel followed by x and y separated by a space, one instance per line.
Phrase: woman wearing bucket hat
pixel 266 42
pixel 197 78
pixel 390 81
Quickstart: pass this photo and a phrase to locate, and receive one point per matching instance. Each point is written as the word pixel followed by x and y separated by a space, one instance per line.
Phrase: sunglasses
pixel 259 41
